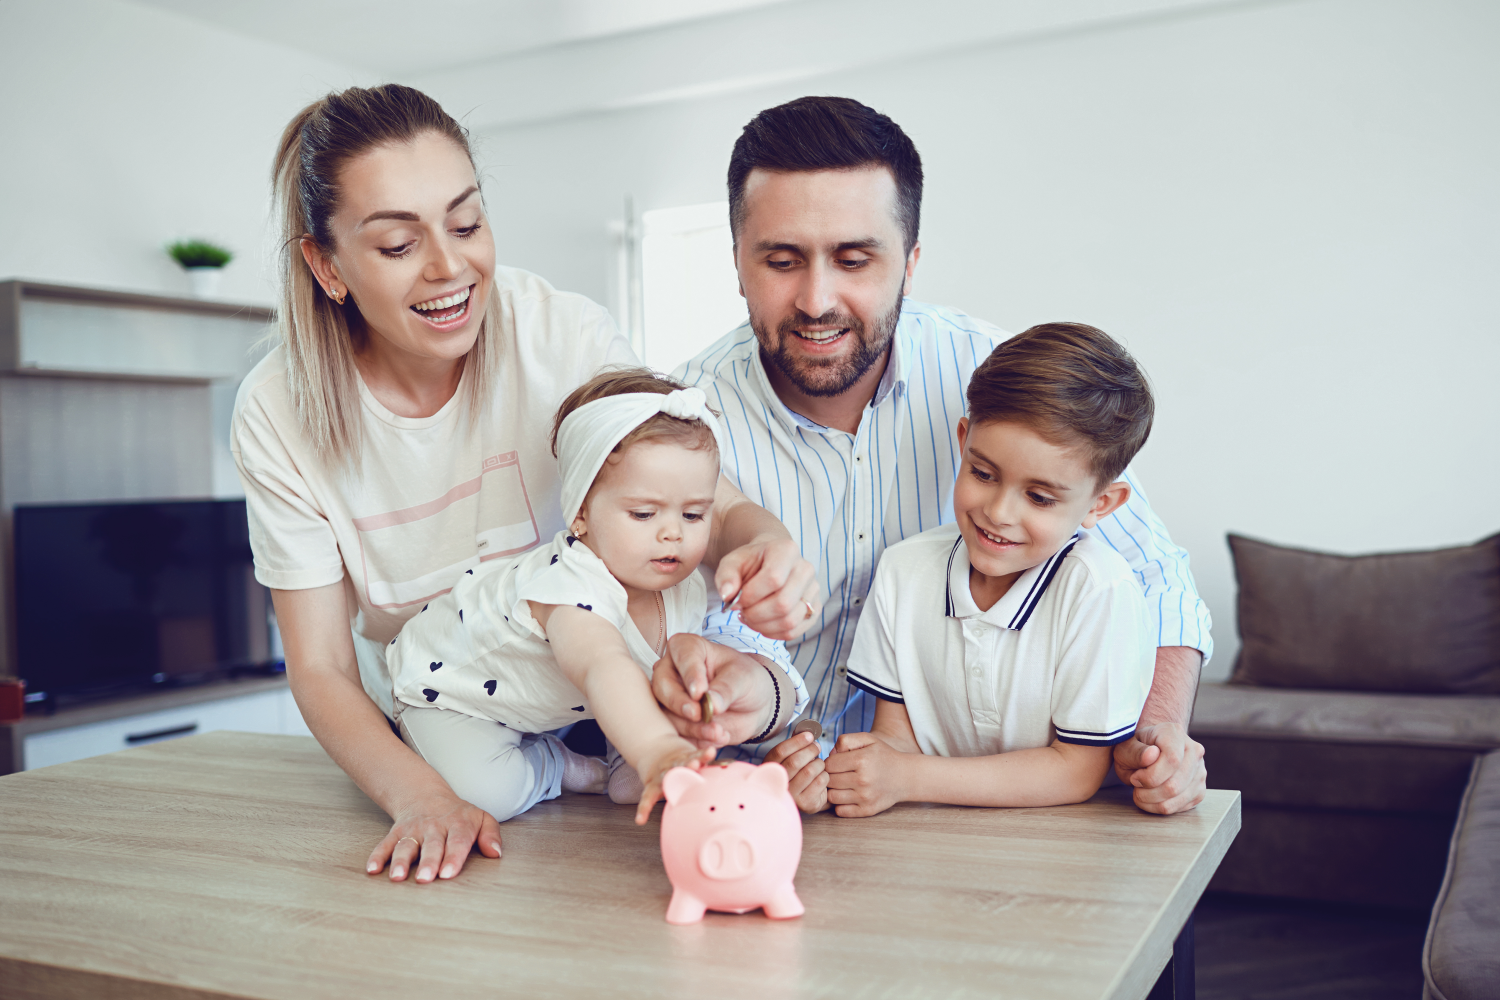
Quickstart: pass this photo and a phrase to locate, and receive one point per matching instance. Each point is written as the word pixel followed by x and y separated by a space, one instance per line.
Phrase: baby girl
pixel 571 630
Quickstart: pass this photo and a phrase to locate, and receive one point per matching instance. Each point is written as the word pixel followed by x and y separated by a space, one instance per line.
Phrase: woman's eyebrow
pixel 413 216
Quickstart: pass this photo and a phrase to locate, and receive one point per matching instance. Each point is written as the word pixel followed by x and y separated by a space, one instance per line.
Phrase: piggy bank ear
pixel 679 780
pixel 770 777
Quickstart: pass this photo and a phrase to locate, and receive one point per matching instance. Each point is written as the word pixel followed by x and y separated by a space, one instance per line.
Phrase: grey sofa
pixel 1461 958
pixel 1348 796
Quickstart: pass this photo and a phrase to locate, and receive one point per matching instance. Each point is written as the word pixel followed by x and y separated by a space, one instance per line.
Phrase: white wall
pixel 126 128
pixel 1287 210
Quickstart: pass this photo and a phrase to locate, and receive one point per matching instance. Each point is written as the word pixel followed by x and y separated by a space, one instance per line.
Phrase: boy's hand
pixel 679 753
pixel 865 775
pixel 808 781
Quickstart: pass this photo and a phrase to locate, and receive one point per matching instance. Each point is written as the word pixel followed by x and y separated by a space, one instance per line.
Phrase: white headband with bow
pixel 590 433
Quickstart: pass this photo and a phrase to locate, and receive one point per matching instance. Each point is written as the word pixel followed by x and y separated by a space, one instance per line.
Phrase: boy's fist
pixel 807 777
pixel 864 775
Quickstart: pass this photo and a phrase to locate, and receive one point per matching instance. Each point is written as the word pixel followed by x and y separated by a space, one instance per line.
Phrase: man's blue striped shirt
pixel 845 497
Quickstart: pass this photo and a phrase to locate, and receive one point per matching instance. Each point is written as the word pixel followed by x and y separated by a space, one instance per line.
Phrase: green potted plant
pixel 204 263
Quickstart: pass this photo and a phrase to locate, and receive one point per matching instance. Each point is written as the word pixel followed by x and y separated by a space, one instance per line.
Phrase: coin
pixel 708 708
pixel 808 726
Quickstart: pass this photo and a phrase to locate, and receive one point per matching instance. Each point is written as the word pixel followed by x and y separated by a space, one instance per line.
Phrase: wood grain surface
pixel 230 864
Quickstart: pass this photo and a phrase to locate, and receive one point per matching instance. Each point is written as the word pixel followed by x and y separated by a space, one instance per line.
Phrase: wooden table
pixel 229 864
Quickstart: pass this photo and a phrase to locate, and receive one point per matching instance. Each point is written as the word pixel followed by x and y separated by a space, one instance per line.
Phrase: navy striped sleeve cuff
pixel 878 690
pixel 1087 739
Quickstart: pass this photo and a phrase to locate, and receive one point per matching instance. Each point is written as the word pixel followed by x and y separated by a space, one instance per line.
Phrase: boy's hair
pixel 1072 384
pixel 827 133
pixel 617 381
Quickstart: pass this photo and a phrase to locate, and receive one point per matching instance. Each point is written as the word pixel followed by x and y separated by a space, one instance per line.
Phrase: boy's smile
pixel 1018 498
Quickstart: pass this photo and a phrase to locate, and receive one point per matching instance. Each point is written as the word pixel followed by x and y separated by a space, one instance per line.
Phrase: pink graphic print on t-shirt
pixel 413 555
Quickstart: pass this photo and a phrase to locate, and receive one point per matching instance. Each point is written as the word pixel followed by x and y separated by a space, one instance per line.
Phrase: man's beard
pixel 829 376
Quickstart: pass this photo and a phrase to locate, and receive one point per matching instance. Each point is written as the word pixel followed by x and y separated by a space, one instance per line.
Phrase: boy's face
pixel 1018 498
pixel 648 514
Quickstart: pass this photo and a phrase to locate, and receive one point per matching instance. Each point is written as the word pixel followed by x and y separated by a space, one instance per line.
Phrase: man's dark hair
pixel 827 133
pixel 1072 384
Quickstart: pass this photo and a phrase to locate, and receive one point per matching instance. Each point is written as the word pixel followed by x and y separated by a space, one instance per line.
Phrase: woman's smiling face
pixel 413 246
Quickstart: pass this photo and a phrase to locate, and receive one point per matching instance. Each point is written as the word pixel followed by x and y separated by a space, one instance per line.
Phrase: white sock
pixel 625 785
pixel 587 775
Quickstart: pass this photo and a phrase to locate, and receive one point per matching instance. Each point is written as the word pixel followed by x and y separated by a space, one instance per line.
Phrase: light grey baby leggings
pixel 498 769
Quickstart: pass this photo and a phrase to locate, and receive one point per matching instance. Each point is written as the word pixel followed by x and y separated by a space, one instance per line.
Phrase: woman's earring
pixel 337 296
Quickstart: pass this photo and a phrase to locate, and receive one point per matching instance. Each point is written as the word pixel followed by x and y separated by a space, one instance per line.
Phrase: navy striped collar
pixel 1014 609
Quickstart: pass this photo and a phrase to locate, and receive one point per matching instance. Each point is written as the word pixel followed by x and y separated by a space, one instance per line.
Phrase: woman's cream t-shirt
pixel 434 496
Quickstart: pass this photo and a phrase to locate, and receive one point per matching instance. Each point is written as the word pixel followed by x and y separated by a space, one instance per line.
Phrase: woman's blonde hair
pixel 319 337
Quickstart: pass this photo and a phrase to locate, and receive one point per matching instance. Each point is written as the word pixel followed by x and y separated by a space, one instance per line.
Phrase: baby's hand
pixel 678 753
pixel 808 778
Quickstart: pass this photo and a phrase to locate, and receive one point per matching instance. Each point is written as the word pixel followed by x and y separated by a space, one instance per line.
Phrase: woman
pixel 398 436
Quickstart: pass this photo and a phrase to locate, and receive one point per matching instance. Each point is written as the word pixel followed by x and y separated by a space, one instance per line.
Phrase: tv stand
pixel 252 704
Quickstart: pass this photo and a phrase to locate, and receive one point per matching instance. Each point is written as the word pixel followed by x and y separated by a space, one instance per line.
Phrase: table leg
pixel 1177 981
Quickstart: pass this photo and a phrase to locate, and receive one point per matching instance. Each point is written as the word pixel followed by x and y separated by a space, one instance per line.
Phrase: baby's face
pixel 648 514
pixel 1018 497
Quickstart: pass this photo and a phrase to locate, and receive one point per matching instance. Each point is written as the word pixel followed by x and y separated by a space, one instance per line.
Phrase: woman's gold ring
pixel 809 610
pixel 414 840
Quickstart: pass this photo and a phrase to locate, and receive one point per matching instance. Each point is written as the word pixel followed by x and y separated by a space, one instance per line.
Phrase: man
pixel 841 397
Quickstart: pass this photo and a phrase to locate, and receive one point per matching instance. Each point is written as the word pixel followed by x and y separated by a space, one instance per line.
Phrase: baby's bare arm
pixel 592 655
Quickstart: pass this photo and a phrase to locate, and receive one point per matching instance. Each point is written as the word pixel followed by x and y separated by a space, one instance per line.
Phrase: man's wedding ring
pixel 414 840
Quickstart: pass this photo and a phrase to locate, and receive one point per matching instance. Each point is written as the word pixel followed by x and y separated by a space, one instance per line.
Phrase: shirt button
pixel 858 599
pixel 861 536
pixel 975 671
pixel 859 458
pixel 842 670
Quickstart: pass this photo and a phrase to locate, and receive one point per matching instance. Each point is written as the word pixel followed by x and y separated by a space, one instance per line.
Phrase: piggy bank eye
pixel 742 805
pixel 712 808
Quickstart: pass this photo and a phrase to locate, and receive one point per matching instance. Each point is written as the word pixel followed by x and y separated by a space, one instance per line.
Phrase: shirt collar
pixel 894 377
pixel 1014 609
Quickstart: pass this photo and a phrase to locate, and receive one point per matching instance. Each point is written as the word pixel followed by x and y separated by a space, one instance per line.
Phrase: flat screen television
pixel 118 595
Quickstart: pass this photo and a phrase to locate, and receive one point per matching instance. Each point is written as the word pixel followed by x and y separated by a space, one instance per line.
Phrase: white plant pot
pixel 205 281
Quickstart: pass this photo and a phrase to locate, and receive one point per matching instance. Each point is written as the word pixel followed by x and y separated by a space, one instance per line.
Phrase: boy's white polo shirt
pixel 1067 653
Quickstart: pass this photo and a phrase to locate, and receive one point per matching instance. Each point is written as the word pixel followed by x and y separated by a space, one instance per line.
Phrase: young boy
pixel 1009 651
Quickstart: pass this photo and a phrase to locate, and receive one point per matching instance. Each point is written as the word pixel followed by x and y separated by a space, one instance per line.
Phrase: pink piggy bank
pixel 731 838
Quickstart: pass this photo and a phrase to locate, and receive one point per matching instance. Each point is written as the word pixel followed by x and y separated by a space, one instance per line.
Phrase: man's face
pixel 823 269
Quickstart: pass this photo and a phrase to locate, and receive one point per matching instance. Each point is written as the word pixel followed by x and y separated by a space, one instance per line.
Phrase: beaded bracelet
pixel 770 726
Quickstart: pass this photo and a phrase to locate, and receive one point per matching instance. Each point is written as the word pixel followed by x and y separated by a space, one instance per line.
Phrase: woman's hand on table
pixel 773 588
pixel 435 838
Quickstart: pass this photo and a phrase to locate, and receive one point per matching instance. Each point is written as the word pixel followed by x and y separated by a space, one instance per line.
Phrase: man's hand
pixel 808 780
pixel 1165 766
pixel 742 695
pixel 865 775
pixel 778 592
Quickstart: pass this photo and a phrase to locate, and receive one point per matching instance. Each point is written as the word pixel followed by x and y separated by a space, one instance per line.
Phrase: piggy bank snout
pixel 726 855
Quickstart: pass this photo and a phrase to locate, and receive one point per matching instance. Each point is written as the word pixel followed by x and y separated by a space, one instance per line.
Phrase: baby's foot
pixel 585 775
pixel 625 785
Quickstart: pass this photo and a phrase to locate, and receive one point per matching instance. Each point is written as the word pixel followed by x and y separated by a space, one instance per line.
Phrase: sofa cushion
pixel 1461 959
pixel 1407 621
pixel 1471 722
